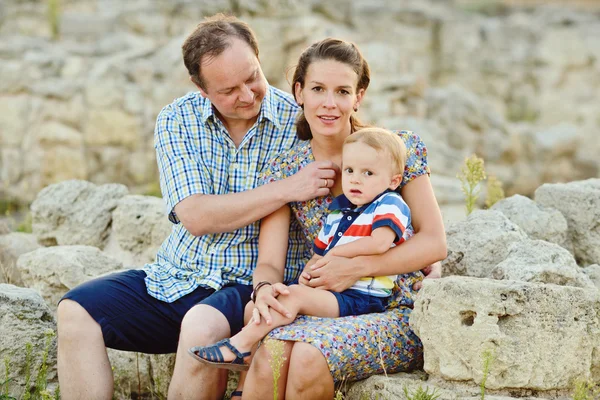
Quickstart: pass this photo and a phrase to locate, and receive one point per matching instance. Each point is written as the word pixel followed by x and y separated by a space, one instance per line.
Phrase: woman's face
pixel 329 97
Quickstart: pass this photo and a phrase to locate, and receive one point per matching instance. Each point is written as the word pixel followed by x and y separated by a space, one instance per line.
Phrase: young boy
pixel 369 218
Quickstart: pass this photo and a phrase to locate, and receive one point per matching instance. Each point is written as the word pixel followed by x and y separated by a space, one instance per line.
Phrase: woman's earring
pixel 355 108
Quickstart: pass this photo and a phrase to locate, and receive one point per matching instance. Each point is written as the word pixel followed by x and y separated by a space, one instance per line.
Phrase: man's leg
pixel 113 311
pixel 203 324
pixel 83 368
pixel 216 317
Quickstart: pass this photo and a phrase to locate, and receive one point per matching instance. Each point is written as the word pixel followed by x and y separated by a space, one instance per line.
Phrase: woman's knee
pixel 261 361
pixel 307 363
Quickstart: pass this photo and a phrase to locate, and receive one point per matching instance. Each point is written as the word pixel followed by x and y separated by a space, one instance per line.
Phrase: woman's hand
pixel 434 271
pixel 334 273
pixel 266 300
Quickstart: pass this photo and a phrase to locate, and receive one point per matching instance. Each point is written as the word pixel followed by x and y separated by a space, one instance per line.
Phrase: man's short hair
pixel 211 38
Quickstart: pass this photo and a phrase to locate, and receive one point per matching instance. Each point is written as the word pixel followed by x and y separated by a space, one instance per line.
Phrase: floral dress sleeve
pixel 357 347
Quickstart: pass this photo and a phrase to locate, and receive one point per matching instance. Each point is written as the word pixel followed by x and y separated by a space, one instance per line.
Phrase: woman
pixel 329 83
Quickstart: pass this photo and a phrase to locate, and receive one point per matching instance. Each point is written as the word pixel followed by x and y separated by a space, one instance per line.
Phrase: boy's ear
pixel 396 180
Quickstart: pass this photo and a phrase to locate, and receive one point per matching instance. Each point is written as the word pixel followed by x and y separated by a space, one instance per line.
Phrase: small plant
pixel 276 350
pixel 420 394
pixel 488 358
pixel 495 192
pixel 585 390
pixel 54 18
pixel 28 361
pixel 26 226
pixel 472 173
pixel 41 381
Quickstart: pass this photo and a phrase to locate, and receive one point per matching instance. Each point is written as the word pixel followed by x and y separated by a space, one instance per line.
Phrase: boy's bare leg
pixel 300 300
pixel 201 326
pixel 83 368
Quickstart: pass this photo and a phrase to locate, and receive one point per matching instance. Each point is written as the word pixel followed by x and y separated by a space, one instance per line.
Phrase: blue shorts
pixel 133 320
pixel 355 302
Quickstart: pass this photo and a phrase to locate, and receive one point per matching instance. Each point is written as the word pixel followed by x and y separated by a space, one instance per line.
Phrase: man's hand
pixel 334 273
pixel 312 181
pixel 434 271
pixel 266 300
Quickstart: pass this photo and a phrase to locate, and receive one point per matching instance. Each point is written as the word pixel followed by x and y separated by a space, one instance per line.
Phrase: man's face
pixel 234 83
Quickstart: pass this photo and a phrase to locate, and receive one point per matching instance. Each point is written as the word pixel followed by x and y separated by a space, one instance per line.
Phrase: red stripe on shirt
pixel 359 230
pixel 320 244
pixel 391 217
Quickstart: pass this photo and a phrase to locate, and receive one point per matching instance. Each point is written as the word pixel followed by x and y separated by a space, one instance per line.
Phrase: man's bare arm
pixel 205 214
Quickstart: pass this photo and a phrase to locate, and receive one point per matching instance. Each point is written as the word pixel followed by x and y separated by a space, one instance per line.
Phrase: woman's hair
pixel 382 140
pixel 336 50
pixel 211 38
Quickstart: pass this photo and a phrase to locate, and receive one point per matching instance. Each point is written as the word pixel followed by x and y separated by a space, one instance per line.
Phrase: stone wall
pixel 519 88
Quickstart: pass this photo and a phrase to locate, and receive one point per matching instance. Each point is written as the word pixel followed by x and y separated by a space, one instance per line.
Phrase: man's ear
pixel 396 180
pixel 202 92
pixel 298 93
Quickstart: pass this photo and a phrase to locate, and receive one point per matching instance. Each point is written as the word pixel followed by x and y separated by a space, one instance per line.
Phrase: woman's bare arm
pixel 272 252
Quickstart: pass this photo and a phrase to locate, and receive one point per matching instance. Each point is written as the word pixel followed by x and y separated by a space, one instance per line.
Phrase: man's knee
pixel 203 325
pixel 73 320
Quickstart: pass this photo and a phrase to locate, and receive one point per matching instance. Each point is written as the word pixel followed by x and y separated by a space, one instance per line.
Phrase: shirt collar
pixel 344 205
pixel 267 108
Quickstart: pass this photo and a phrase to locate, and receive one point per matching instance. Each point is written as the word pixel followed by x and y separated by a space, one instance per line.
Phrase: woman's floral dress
pixel 355 347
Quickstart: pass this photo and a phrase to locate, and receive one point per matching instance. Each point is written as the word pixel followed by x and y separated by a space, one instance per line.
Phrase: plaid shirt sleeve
pixel 394 213
pixel 181 171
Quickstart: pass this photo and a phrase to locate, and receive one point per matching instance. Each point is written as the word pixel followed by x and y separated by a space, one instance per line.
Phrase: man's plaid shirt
pixel 196 155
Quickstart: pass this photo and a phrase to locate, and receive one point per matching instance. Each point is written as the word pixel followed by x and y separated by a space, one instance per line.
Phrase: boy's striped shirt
pixel 345 224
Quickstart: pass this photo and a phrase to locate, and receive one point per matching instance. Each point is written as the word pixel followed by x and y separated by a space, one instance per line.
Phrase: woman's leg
pixel 259 379
pixel 308 374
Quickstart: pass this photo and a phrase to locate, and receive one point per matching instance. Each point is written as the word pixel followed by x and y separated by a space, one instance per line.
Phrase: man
pixel 210 146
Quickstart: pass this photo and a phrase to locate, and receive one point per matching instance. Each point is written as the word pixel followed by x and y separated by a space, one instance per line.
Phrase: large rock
pixel 579 202
pixel 11 247
pixel 25 318
pixel 397 386
pixel 593 272
pixel 540 337
pixel 139 227
pixel 537 221
pixel 478 244
pixel 75 212
pixel 53 271
pixel 541 262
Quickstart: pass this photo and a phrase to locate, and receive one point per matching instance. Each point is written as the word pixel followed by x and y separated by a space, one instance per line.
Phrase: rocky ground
pixel 520 289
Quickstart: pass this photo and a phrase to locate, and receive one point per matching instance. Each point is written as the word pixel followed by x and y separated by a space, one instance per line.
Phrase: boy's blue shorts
pixel 354 302
pixel 133 320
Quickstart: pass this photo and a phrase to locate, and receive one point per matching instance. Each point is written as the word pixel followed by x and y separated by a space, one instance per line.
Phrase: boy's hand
pixel 266 300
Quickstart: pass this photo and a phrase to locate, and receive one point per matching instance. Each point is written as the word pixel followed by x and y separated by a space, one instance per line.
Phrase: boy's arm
pixel 379 242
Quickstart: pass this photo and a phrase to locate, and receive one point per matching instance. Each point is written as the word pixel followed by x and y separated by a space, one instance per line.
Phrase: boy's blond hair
pixel 382 140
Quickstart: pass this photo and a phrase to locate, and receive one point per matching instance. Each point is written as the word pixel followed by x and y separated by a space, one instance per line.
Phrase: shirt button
pixel 339 234
pixel 349 218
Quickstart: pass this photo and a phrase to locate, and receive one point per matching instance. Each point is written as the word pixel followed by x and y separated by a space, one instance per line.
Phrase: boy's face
pixel 366 173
